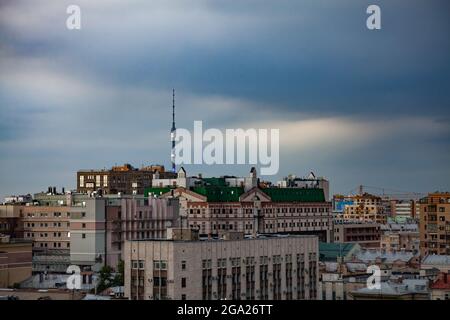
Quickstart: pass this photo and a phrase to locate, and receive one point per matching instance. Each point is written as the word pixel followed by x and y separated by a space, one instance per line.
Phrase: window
pixel 83 225
pixel 183 282
pixel 83 214
pixel 81 181
pixel 83 236
pixel 183 265
pixel 159 264
pixel 183 297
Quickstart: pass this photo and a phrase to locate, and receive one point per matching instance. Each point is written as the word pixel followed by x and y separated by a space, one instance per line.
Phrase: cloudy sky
pixel 353 105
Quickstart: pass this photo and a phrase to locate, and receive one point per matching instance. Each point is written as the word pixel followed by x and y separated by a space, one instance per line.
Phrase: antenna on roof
pixel 172 133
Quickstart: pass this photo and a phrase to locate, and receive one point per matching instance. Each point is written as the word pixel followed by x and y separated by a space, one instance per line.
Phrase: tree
pixel 104 278
pixel 119 277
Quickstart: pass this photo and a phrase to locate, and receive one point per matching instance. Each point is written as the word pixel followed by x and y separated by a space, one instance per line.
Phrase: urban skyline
pixel 355 106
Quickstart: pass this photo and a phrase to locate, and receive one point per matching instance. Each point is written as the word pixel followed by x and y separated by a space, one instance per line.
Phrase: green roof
pixel 219 182
pixel 295 194
pixel 220 194
pixel 157 191
pixel 331 251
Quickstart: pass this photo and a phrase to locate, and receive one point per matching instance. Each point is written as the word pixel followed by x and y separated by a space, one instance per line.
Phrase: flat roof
pixel 259 237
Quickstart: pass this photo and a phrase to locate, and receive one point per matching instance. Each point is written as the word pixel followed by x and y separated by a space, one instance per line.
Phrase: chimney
pixel 54 190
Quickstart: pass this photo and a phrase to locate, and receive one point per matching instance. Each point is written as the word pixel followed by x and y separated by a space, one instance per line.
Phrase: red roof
pixel 441 284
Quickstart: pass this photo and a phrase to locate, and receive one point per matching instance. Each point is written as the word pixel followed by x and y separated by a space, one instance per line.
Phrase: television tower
pixel 172 133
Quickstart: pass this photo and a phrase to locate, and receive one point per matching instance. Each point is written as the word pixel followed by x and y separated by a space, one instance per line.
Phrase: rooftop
pixel 436 259
pixel 246 237
pixel 387 257
pixel 332 251
pixel 295 194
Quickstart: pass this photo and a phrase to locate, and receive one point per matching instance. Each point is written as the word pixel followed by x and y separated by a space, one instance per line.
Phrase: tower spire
pixel 172 133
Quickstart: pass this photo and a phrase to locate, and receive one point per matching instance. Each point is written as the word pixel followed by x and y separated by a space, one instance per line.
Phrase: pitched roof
pixel 436 259
pixel 157 191
pixel 331 251
pixel 220 194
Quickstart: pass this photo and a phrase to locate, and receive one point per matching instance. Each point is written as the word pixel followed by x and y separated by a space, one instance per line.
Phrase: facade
pixel 119 179
pixel 216 209
pixel 365 207
pixel 404 208
pixel 15 261
pixel 366 234
pixel 10 221
pixel 400 236
pixel 338 279
pixel 262 268
pixel 136 218
pixel 435 224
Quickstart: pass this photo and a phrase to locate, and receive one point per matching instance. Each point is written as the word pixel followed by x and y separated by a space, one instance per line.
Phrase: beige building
pixel 264 268
pixel 404 240
pixel 435 224
pixel 15 261
pixel 366 234
pixel 365 207
pixel 259 210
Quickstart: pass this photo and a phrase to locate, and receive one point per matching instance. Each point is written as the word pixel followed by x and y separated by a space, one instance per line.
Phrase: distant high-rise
pixel 172 133
pixel 435 224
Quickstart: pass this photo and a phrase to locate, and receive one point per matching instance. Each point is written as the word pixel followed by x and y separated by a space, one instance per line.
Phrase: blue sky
pixel 354 105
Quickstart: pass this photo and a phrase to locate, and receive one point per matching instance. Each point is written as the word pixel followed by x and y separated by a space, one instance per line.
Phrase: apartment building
pixel 119 179
pixel 365 207
pixel 272 267
pixel 84 230
pixel 400 236
pixel 136 218
pixel 435 224
pixel 366 234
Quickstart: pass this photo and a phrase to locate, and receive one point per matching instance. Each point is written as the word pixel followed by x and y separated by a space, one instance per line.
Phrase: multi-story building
pixel 119 179
pixel 85 230
pixel 15 261
pixel 435 224
pixel 260 268
pixel 215 209
pixel 10 221
pixel 400 236
pixel 366 234
pixel 136 218
pixel 365 207
pixel 308 182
